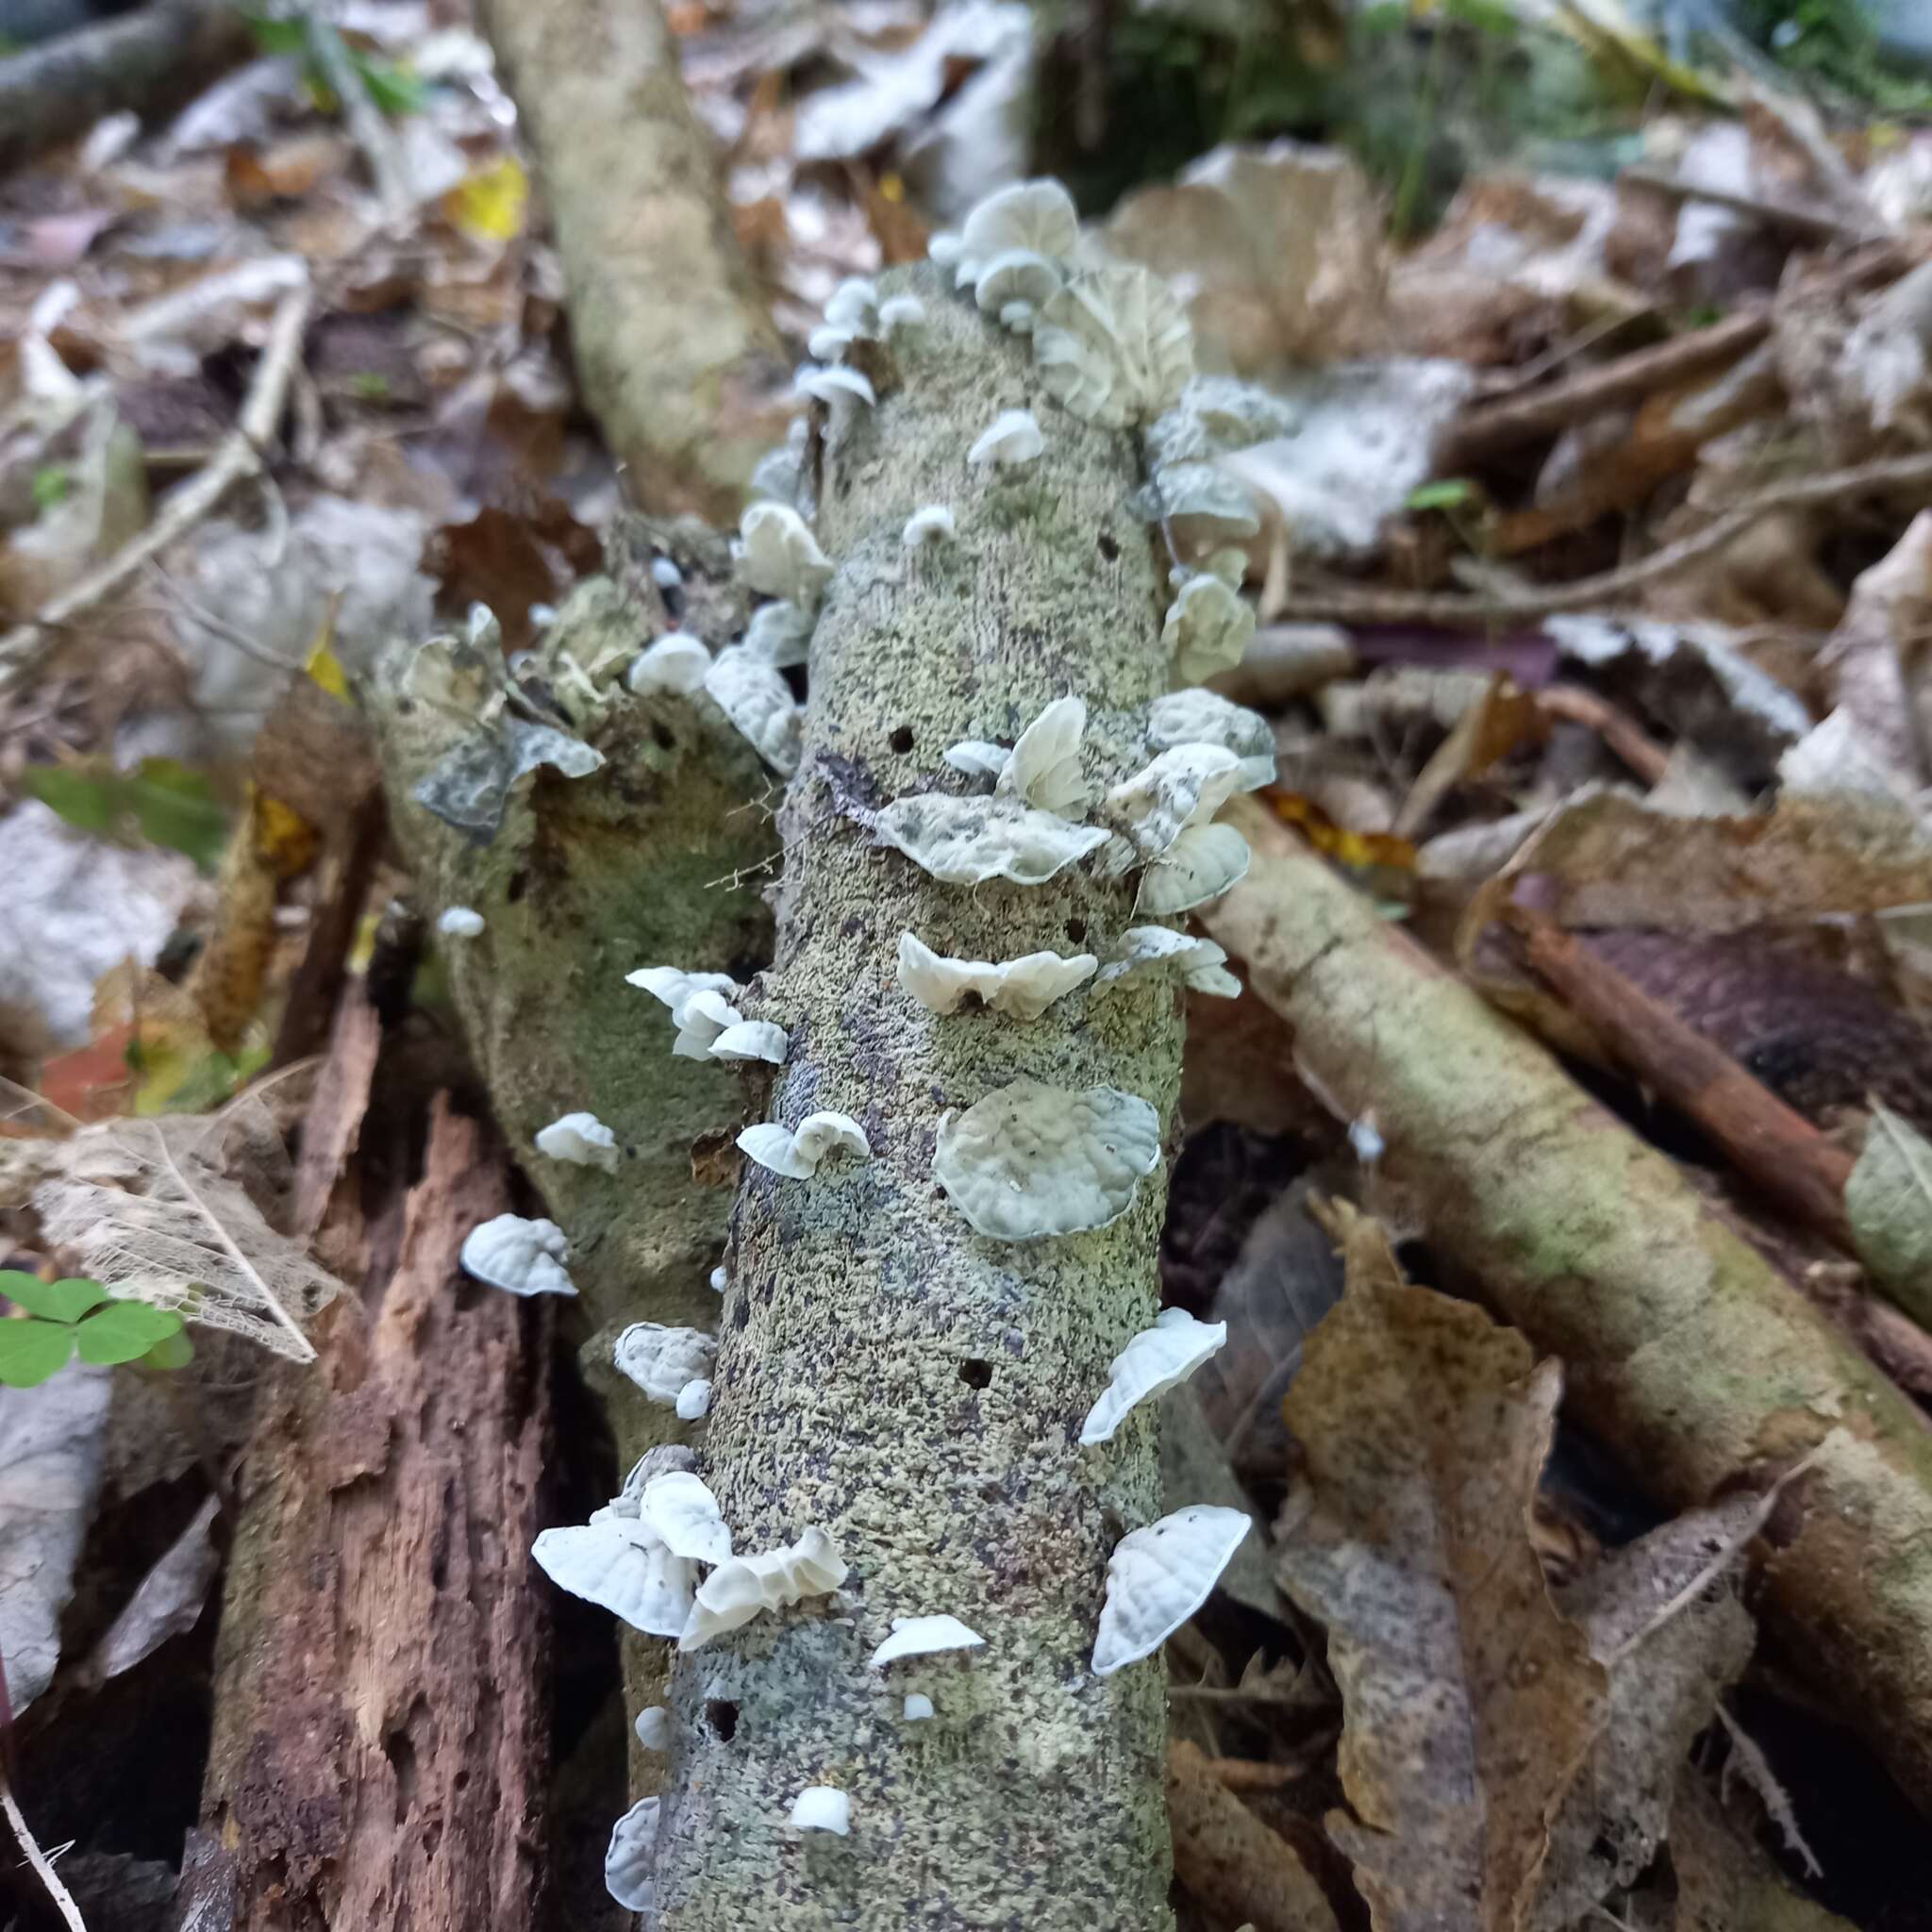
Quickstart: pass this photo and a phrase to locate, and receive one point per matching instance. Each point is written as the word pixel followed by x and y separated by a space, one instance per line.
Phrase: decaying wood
pixel 1230 1861
pixel 381 1748
pixel 677 356
pixel 1682 1347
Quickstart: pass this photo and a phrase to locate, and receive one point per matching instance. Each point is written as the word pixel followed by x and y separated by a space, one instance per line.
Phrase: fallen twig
pixel 43 1870
pixel 1345 605
pixel 1808 220
pixel 240 456
pixel 1626 739
pixel 1682 1346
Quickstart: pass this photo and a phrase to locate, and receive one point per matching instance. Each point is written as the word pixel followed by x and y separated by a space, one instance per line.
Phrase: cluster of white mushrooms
pixel 1028 1161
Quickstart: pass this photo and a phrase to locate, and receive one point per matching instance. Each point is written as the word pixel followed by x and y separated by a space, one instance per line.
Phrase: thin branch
pixel 43 1870
pixel 1808 220
pixel 239 456
pixel 371 133
pixel 1345 605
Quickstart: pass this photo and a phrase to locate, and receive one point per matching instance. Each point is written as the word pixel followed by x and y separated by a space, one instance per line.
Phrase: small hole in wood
pixel 1077 930
pixel 976 1373
pixel 723 1718
pixel 901 741
pixel 1108 548
pixel 519 884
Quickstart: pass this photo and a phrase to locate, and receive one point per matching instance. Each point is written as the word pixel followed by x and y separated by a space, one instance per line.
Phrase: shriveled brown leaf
pixel 1471 1701
pixel 1230 1861
pixel 1724 1881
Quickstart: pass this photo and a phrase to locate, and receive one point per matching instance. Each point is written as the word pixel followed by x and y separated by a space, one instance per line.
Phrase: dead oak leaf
pixel 1470 1701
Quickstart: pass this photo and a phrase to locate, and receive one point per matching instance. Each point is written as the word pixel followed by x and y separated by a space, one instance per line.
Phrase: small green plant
pixel 62 1319
pixel 392 87
pixel 368 385
pixel 52 483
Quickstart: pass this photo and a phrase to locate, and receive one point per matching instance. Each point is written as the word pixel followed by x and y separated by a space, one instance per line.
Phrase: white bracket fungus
pixel 854 306
pixel 925 1637
pixel 759 703
pixel 460 922
pixel 679 1509
pixel 1156 1360
pixel 1044 767
pixel 965 842
pixel 665 573
pixel 1202 504
pixel 828 344
pixel 901 311
pixel 1204 717
pixel 1035 215
pixel 1019 317
pixel 742 1589
pixel 518 1256
pixel 1184 786
pixel 721 1280
pixel 654 1728
pixel 1114 346
pixel 1145 949
pixel 796 1156
pixel 752 1039
pixel 661 1360
pixel 1015 274
pixel 979 757
pixel 780 633
pixel 839 387
pixel 821 1807
pixel 581 1139
pixel 1157 1578
pixel 621 1566
pixel 1014 438
pixel 675 987
pixel 1206 629
pixel 918 1707
pixel 780 557
pixel 1024 988
pixel 633 1856
pixel 694 1401
pixel 1031 1160
pixel 674 665
pixel 1200 865
pixel 705 1019
pixel 932 524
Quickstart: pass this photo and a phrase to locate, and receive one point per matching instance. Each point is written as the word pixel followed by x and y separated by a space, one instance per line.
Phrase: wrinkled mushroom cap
pixel 661 1359
pixel 675 665
pixel 1014 437
pixel 1157 1578
pixel 1044 768
pixel 580 1138
pixel 965 842
pixel 1114 347
pixel 1153 1362
pixel 519 1255
pixel 632 1858
pixel 749 691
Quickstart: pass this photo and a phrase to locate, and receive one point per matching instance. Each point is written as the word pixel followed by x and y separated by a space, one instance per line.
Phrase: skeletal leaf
pixel 1889 1203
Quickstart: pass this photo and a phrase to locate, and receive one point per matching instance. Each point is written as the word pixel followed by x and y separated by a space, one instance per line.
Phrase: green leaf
pixel 31 1351
pixel 273 35
pixel 162 802
pixel 171 1352
pixel 53 1301
pixel 1889 1204
pixel 1452 492
pixel 391 88
pixel 53 482
pixel 125 1331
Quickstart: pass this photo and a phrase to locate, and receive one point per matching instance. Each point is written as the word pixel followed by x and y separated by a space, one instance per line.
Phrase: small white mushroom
pixel 918 1707
pixel 1114 346
pixel 837 387
pixel 742 1589
pixel 932 524
pixel 1365 1138
pixel 661 1359
pixel 830 345
pixel 780 633
pixel 855 305
pixel 581 1139
pixel 1044 768
pixel 925 1637
pixel 675 665
pixel 679 1509
pixel 694 1401
pixel 677 987
pixel 1144 949
pixel 622 1567
pixel 1157 1578
pixel 1184 786
pixel 633 1856
pixel 1197 716
pixel 821 1807
pixel 1015 274
pixel 1037 215
pixel 1206 629
pixel 1200 865
pixel 1014 438
pixel 704 1019
pixel 901 311
pixel 721 1280
pixel 665 573
pixel 1019 317
pixel 752 1039
pixel 1030 1160
pixel 654 1728
pixel 759 702
pixel 1156 1360
pixel 780 557
pixel 796 1156
pixel 460 922
pixel 519 1257
pixel 945 248
pixel 965 842
pixel 978 758
pixel 1024 988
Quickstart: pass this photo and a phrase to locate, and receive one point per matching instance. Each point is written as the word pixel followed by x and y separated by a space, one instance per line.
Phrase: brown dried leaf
pixel 1724 1881
pixel 1471 1702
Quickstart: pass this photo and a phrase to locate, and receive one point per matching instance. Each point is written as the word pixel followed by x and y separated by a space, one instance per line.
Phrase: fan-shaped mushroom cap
pixel 740 1589
pixel 759 704
pixel 1200 865
pixel 519 1257
pixel 661 1359
pixel 1013 438
pixel 616 1563
pixel 1208 628
pixel 1024 988
pixel 1153 1362
pixel 675 664
pixel 581 1139
pixel 796 1156
pixel 1044 768
pixel 965 842
pixel 781 558
pixel 1157 1578
pixel 633 1856
pixel 1114 346
pixel 925 1637
pixel 1197 716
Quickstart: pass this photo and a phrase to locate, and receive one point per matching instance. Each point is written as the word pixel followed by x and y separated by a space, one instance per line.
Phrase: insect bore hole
pixel 977 1373
pixel 723 1718
pixel 901 741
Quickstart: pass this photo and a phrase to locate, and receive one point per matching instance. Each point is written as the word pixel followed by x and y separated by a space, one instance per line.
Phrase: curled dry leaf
pixel 1470 1701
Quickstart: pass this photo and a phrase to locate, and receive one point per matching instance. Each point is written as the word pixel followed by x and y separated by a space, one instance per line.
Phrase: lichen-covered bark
pixel 673 342
pixel 1681 1345
pixel 885 1373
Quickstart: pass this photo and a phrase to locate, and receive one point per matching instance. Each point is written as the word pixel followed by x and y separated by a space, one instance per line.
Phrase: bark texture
pixel 1681 1345
pixel 381 1746
pixel 675 349
pixel 885 1373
